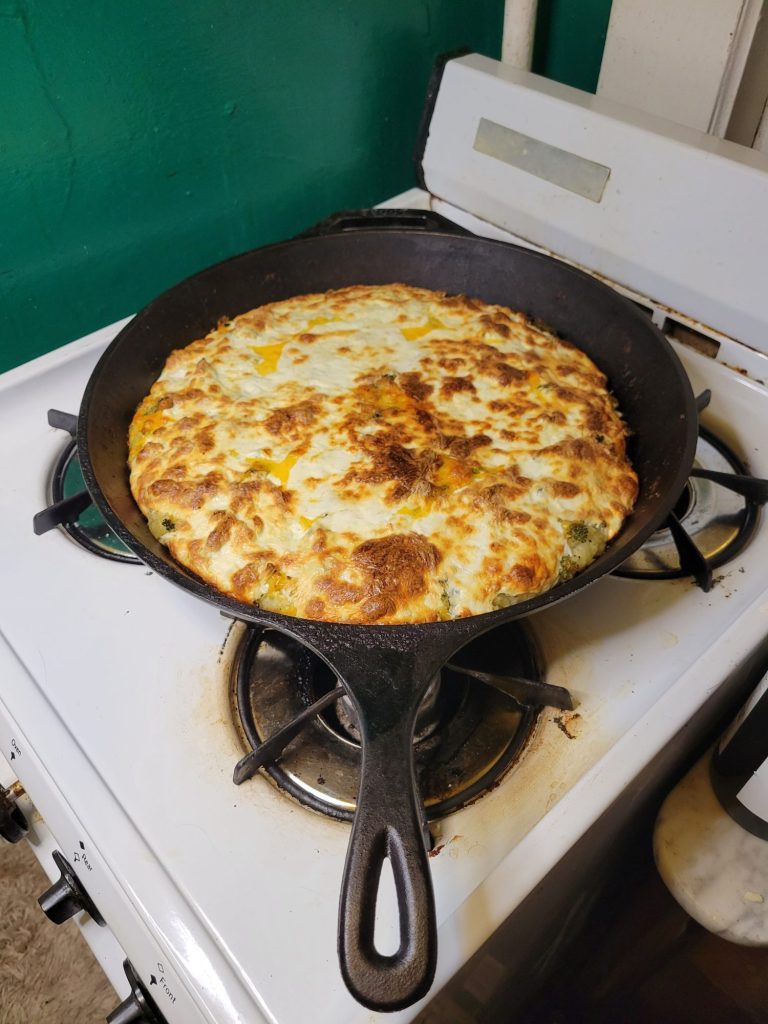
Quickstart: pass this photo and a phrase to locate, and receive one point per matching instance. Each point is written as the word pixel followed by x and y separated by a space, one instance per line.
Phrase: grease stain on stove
pixel 207 724
pixel 465 846
pixel 570 670
pixel 208 721
pixel 457 846
pixel 224 642
pixel 568 724
pixel 740 370
pixel 519 801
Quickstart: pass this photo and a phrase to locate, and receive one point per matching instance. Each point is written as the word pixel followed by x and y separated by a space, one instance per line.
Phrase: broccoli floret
pixel 169 524
pixel 578 533
pixel 568 567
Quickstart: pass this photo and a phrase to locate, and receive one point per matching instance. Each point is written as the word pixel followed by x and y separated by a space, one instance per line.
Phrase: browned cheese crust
pixel 381 454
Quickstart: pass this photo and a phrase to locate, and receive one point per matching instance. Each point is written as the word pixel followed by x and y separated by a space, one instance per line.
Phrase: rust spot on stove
pixel 737 369
pixel 453 851
pixel 569 724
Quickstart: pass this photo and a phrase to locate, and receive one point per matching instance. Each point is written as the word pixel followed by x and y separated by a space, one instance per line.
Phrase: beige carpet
pixel 47 973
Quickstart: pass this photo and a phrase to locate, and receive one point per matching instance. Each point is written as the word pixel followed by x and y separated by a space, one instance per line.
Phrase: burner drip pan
pixel 475 733
pixel 718 520
pixel 89 529
pixel 72 507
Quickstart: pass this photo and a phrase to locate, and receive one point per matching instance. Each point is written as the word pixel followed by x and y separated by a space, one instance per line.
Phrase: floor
pixel 47 972
pixel 644 961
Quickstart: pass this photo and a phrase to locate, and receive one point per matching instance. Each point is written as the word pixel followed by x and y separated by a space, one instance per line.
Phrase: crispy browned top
pixel 381 454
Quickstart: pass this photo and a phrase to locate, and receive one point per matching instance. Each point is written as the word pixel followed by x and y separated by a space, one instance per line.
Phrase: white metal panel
pixel 681 59
pixel 746 361
pixel 683 216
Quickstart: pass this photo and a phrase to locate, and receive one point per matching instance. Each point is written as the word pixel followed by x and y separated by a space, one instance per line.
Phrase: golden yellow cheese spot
pixel 306 523
pixel 392 400
pixel 415 513
pixel 149 424
pixel 276 584
pixel 450 475
pixel 453 473
pixel 270 357
pixel 280 470
pixel 412 333
pixel 384 396
pixel 318 321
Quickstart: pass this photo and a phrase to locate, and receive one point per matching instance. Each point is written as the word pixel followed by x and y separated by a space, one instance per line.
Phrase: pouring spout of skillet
pixel 386 669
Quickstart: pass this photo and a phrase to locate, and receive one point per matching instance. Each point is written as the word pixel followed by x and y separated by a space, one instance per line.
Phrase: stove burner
pixel 72 506
pixel 711 523
pixel 427 720
pixel 287 704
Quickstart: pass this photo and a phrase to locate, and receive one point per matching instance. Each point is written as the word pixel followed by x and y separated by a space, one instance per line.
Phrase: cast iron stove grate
pixel 711 523
pixel 71 505
pixel 472 727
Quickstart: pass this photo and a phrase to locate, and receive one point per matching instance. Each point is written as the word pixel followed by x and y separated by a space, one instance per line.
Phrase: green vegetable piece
pixel 578 533
pixel 568 567
pixel 169 524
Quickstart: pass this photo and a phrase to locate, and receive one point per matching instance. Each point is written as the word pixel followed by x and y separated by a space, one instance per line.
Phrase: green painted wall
pixel 142 140
pixel 570 37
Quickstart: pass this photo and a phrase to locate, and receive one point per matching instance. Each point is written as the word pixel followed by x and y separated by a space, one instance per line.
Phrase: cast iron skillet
pixel 386 669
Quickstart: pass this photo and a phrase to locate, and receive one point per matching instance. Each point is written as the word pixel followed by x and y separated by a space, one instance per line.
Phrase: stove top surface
pixel 136 675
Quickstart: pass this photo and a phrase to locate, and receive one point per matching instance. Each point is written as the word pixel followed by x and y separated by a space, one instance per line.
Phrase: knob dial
pixel 13 824
pixel 67 897
pixel 139 1007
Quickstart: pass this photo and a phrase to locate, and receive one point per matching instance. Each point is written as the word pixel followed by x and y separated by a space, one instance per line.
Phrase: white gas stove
pixel 116 689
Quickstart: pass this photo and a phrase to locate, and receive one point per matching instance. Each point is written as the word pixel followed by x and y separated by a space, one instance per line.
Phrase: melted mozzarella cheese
pixel 381 454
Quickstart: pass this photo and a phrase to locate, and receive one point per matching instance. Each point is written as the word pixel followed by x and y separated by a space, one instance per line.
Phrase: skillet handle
pixel 388 824
pixel 348 221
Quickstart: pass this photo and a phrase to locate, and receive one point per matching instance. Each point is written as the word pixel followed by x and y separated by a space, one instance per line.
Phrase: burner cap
pixel 718 521
pixel 474 734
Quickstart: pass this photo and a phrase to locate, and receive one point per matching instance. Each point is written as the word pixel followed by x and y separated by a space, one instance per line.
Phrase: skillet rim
pixel 610 559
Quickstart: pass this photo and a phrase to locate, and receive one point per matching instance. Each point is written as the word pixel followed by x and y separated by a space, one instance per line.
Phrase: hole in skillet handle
pixel 346 221
pixel 386 929
pixel 387 829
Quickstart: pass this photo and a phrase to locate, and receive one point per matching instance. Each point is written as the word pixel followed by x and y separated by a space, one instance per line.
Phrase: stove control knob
pixel 13 824
pixel 67 897
pixel 139 1007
